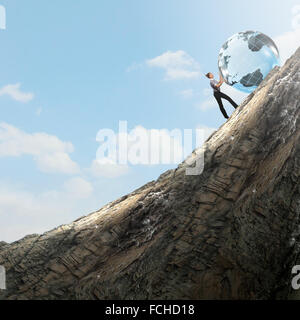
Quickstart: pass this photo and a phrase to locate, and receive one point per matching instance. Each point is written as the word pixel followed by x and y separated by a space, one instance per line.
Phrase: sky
pixel 71 68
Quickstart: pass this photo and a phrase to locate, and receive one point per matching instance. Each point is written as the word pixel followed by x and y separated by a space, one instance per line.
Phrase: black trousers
pixel 219 95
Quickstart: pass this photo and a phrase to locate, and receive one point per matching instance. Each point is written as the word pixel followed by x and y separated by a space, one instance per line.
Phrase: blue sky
pixel 70 68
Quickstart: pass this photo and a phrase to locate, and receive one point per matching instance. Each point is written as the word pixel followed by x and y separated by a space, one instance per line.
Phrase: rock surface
pixel 231 232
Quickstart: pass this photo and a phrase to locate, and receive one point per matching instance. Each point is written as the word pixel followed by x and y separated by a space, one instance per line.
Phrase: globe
pixel 246 58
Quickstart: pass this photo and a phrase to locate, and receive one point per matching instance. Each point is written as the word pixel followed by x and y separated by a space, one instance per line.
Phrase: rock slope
pixel 231 232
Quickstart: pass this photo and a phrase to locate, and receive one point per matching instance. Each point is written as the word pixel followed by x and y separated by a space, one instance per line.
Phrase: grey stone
pixel 207 236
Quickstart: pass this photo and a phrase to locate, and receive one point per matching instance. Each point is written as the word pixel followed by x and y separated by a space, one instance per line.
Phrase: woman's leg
pixel 220 103
pixel 224 96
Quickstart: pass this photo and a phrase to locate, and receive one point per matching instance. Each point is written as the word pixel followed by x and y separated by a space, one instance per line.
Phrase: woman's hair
pixel 207 75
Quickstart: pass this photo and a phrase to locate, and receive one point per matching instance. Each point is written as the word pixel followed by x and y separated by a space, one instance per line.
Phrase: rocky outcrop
pixel 231 232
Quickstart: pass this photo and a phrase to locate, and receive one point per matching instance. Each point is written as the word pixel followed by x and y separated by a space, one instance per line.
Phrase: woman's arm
pixel 221 81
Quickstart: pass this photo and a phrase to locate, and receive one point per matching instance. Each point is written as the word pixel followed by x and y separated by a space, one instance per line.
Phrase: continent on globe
pixel 251 79
pixel 256 42
pixel 246 58
pixel 245 35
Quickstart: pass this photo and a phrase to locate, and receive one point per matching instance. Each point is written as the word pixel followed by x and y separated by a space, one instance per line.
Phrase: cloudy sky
pixel 71 68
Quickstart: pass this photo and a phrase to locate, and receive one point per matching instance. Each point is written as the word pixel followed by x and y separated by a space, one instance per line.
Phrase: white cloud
pixel 18 203
pixel 78 187
pixel 13 90
pixel 24 212
pixel 289 42
pixel 107 168
pixel 57 162
pixel 50 153
pixel 177 65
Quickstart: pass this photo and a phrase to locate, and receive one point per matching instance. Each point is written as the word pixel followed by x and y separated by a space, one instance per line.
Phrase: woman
pixel 218 94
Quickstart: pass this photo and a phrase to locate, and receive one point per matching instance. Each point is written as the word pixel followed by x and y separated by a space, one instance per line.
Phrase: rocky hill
pixel 231 232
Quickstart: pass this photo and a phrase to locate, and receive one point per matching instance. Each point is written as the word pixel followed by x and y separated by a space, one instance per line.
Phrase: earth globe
pixel 246 58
